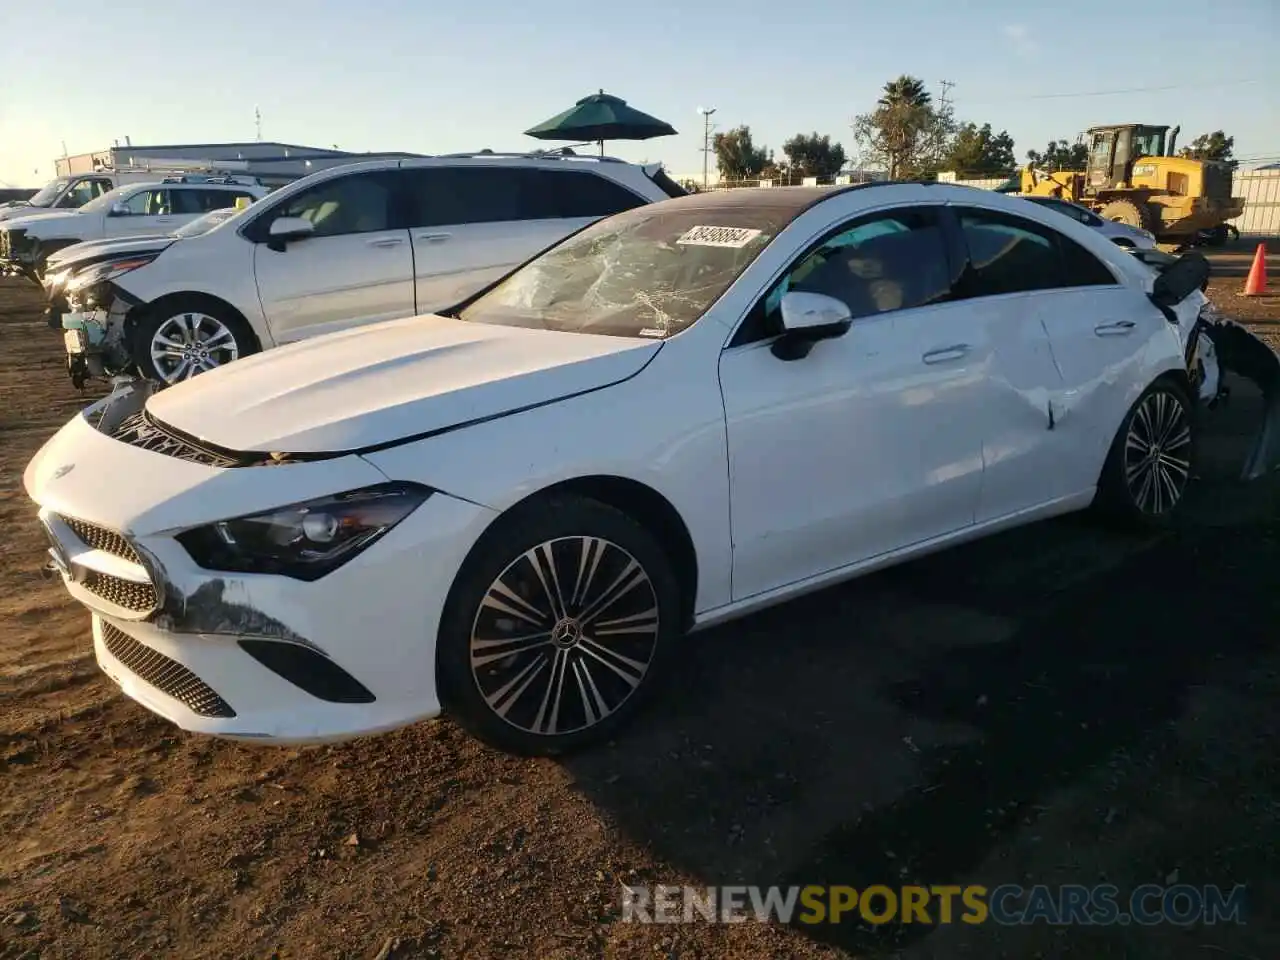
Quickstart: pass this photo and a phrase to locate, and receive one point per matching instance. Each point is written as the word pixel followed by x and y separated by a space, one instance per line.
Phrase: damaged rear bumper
pixel 1240 352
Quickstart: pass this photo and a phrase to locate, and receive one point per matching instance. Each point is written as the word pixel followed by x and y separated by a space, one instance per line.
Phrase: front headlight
pixel 102 272
pixel 307 540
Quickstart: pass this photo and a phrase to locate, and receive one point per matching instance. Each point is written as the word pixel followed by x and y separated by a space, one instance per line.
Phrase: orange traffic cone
pixel 1256 285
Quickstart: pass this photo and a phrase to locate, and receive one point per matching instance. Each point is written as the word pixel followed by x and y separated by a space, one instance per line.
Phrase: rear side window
pixel 1010 255
pixel 220 199
pixel 194 201
pixel 577 193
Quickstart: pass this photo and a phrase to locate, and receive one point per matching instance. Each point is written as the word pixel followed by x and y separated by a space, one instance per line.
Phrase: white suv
pixel 139 209
pixel 64 194
pixel 345 246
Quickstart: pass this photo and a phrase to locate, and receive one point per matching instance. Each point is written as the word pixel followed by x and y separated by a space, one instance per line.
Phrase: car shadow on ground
pixel 894 730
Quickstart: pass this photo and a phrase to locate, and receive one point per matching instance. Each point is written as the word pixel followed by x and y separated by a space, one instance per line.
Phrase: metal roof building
pixel 273 163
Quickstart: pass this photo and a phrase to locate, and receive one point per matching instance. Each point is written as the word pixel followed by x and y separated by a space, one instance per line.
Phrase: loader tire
pixel 1133 213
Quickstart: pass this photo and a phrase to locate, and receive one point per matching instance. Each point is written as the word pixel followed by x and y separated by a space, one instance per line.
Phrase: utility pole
pixel 944 101
pixel 706 142
pixel 943 127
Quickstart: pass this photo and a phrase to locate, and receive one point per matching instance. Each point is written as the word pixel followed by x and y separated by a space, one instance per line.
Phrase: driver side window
pixel 148 203
pixel 80 194
pixel 358 203
pixel 896 260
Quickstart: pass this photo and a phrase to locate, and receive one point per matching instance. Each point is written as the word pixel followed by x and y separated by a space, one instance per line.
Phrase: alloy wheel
pixel 190 343
pixel 565 635
pixel 1157 453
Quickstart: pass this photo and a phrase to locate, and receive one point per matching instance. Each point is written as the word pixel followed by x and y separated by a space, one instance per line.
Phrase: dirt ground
pixel 1056 705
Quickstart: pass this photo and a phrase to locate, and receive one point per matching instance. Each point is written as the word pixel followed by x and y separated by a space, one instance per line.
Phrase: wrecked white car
pixel 682 414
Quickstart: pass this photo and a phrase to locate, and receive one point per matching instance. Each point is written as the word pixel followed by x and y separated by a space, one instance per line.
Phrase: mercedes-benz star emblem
pixel 566 633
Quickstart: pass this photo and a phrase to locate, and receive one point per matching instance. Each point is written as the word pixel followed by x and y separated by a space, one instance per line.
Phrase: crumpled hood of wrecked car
pixel 379 384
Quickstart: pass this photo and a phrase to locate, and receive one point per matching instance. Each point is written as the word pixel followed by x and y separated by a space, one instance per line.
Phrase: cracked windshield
pixel 638 275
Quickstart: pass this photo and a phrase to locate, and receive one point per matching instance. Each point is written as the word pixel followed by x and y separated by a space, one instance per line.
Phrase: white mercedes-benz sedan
pixel 686 412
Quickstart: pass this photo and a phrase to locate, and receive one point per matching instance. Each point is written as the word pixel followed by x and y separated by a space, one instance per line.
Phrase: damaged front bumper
pixel 94 324
pixel 254 657
pixel 19 255
pixel 1238 351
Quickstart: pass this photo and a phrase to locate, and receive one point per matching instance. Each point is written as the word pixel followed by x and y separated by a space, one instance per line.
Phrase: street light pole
pixel 706 141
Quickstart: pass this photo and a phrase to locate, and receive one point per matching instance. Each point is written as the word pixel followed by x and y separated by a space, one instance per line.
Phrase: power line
pixel 1125 90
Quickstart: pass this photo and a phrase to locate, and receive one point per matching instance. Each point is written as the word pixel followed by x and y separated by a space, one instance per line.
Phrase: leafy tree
pixel 737 156
pixel 977 150
pixel 1060 155
pixel 814 156
pixel 905 133
pixel 1211 146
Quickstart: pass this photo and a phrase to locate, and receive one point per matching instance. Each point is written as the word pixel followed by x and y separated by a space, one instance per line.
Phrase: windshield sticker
pixel 733 237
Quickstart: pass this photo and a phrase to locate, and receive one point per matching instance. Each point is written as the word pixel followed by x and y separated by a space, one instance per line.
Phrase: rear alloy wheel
pixel 1151 460
pixel 184 339
pixel 559 628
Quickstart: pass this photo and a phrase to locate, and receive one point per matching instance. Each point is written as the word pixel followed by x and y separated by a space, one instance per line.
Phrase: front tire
pixel 558 627
pixel 180 338
pixel 1133 213
pixel 1149 466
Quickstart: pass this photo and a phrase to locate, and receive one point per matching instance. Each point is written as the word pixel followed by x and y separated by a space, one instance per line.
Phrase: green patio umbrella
pixel 598 118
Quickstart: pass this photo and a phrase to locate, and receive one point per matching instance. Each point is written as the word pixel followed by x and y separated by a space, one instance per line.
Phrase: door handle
pixel 1118 329
pixel 386 242
pixel 943 354
pixel 434 237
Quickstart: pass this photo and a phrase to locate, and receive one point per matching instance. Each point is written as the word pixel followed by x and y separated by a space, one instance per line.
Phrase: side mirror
pixel 120 210
pixel 1176 282
pixel 285 230
pixel 808 318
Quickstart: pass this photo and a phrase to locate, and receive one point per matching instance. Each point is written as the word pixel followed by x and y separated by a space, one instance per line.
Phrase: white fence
pixel 1260 189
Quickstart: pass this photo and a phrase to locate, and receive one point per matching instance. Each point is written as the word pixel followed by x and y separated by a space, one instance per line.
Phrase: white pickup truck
pixel 137 209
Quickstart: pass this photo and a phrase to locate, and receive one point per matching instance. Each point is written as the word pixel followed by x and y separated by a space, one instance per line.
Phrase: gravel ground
pixel 1060 704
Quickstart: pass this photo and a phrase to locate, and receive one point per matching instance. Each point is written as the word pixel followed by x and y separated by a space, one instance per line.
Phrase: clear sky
pixel 435 77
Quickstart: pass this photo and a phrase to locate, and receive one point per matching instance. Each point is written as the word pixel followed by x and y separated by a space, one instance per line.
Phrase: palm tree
pixel 906 112
pixel 906 91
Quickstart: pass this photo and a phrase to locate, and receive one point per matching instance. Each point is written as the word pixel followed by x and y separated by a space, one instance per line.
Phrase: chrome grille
pixel 138 597
pixel 100 538
pixel 139 430
pixel 166 675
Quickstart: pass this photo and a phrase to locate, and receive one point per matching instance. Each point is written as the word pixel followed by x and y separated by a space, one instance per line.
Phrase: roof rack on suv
pixel 529 155
pixel 219 178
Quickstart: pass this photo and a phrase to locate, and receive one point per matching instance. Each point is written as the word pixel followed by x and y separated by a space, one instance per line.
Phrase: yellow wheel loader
pixel 1131 177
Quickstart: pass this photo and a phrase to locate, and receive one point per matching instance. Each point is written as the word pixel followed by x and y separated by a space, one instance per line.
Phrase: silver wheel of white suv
pixel 186 336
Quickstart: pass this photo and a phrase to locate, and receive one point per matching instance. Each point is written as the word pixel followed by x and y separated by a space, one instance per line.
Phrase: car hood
pixel 29 220
pixel 18 208
pixel 79 254
pixel 379 384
